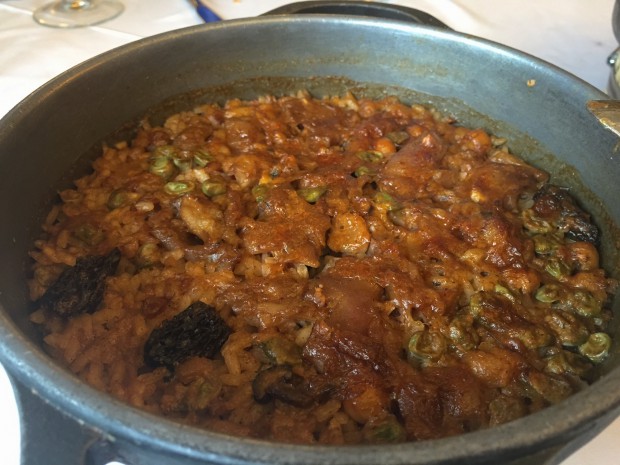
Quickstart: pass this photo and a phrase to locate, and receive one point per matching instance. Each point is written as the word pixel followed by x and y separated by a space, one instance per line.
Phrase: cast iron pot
pixel 46 138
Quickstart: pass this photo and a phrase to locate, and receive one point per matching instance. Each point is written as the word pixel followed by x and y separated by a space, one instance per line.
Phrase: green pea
pixel 212 187
pixel 557 268
pixel 121 197
pixel 260 192
pixel 182 164
pixel 462 334
pixel 280 351
pixel 386 201
pixel 167 151
pixel 371 156
pixel 312 194
pixel 535 225
pixel 363 171
pixel 147 255
pixel 178 187
pixel 202 158
pixel 426 346
pixel 89 234
pixel 502 290
pixel 585 304
pixel 385 430
pixel 161 166
pixel 549 293
pixel 202 392
pixel 116 199
pixel 545 244
pixel 596 348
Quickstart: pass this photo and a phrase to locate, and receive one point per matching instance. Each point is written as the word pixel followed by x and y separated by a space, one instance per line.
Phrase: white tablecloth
pixel 575 35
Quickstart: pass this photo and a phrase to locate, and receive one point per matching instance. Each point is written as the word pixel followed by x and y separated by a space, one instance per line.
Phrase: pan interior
pixel 519 143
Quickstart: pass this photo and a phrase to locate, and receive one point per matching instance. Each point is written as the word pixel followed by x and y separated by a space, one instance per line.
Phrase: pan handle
pixel 51 437
pixel 360 8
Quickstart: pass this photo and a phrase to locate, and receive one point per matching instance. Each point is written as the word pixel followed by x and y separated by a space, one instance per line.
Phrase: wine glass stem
pixel 77 13
pixel 75 4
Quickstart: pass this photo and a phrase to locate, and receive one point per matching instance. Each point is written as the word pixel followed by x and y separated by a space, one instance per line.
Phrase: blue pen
pixel 205 13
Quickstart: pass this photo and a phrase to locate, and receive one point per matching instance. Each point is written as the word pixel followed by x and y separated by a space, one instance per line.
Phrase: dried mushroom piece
pixel 80 289
pixel 281 383
pixel 196 331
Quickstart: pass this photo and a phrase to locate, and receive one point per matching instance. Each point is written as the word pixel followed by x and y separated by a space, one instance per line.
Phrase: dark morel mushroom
pixel 198 331
pixel 80 289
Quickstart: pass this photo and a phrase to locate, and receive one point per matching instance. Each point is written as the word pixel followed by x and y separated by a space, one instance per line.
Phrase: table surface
pixel 575 35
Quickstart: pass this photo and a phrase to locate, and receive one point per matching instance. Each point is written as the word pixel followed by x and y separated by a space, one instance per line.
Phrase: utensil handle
pixel 360 8
pixel 205 12
pixel 53 438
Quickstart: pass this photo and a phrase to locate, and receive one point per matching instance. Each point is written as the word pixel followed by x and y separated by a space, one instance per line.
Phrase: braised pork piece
pixel 332 271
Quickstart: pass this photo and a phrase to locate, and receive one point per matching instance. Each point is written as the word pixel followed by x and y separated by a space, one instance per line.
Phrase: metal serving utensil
pixel 607 112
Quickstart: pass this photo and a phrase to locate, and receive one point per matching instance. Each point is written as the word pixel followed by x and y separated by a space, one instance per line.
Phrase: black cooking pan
pixel 48 138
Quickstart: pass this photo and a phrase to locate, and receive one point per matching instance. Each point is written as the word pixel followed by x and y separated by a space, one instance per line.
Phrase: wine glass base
pixel 77 14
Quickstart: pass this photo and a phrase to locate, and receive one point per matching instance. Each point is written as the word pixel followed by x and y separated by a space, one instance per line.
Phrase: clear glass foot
pixel 77 13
